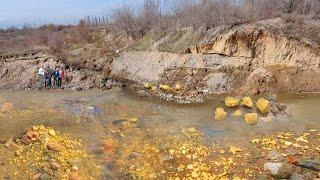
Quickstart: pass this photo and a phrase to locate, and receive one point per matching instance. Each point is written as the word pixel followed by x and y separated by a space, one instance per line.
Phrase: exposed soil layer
pixel 246 59
pixel 253 58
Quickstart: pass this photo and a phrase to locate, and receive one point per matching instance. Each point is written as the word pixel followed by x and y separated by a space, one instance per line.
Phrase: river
pixel 88 114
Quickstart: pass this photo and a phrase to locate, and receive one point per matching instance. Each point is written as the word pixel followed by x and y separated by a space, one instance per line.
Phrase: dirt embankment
pixel 262 57
pixel 246 59
pixel 20 71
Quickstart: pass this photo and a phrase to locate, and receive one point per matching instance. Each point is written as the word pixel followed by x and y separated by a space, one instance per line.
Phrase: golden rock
pixel 220 114
pixel 165 87
pixel 231 102
pixel 251 118
pixel 52 133
pixel 247 102
pixel 263 105
pixel 147 85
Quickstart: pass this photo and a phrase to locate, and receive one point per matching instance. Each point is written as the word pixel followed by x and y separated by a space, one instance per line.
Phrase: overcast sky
pixel 35 12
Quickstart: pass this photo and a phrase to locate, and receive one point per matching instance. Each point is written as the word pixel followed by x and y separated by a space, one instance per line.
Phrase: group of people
pixel 50 77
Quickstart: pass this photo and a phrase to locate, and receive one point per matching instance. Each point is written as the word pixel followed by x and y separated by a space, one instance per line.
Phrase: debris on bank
pixel 138 154
pixel 42 153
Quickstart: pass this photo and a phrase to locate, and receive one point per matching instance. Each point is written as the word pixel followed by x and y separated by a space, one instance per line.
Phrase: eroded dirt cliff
pixel 246 59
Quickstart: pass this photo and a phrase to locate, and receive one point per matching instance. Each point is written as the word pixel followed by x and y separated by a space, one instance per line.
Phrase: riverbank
pixel 246 59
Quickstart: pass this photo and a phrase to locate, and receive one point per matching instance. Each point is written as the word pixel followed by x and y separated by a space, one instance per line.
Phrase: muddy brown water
pixel 85 115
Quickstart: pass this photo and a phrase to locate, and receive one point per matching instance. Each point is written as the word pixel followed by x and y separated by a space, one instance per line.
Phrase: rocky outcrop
pixel 266 48
pixel 245 59
pixel 204 73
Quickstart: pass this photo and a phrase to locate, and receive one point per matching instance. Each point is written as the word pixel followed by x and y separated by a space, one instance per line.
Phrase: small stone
pixel 147 85
pixel 263 105
pixel 251 118
pixel 220 114
pixel 279 170
pixel 165 87
pixel 54 147
pixel 32 135
pixel 52 132
pixel 231 102
pixel 55 166
pixel 247 102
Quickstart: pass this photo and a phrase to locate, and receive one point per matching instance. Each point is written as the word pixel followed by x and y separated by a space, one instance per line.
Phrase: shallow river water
pixel 86 115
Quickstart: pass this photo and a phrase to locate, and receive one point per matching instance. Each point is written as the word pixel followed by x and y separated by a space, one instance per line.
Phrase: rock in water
pixel 220 114
pixel 313 164
pixel 251 118
pixel 279 170
pixel 263 105
pixel 247 102
pixel 231 102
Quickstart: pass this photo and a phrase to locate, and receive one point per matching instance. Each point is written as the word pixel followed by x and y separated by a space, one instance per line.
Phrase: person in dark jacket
pixel 56 76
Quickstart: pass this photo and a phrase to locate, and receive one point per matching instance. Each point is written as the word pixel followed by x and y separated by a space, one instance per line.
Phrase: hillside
pixel 275 55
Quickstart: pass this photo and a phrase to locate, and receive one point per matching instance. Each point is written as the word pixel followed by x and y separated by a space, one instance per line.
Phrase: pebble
pixel 52 132
pixel 54 166
pixel 54 147
pixel 279 170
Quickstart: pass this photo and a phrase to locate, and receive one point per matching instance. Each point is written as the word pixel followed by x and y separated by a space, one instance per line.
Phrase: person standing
pixel 61 76
pixel 41 74
pixel 56 76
